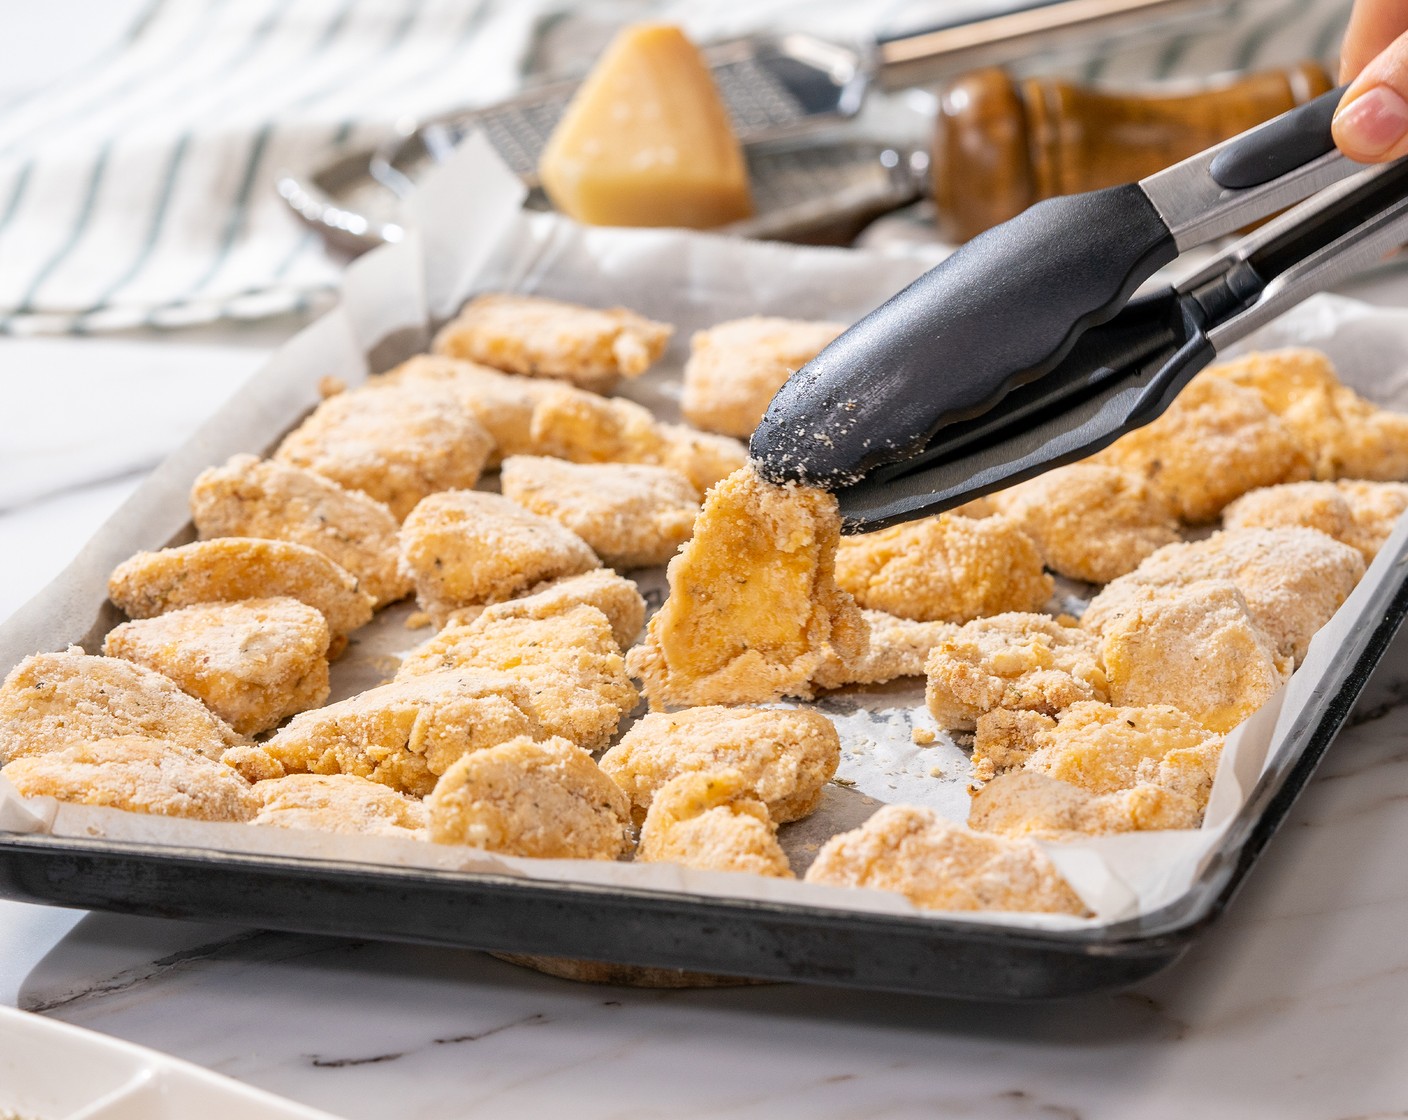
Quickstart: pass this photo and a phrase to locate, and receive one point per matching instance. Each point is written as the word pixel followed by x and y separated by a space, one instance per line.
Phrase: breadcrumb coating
pixel 735 368
pixel 569 661
pixel 228 569
pixel 939 865
pixel 708 820
pixel 465 547
pixel 584 428
pixel 632 516
pixel 753 611
pixel 614 595
pixel 1357 513
pixel 252 663
pixel 1215 442
pixel 897 647
pixel 539 337
pixel 1027 661
pixel 396 442
pixel 945 569
pixel 342 803
pixel 407 733
pixel 50 700
pixel 252 497
pixel 138 774
pixel 1090 522
pixel 1292 579
pixel 1023 803
pixel 1196 647
pixel 1346 435
pixel 547 800
pixel 1102 748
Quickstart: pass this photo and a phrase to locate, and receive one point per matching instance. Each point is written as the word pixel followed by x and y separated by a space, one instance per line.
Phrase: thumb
pixel 1371 124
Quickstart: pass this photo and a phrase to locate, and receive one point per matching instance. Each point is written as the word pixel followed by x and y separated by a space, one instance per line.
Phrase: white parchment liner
pixel 475 237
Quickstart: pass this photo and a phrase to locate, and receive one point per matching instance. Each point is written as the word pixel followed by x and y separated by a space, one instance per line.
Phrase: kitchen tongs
pixel 1024 349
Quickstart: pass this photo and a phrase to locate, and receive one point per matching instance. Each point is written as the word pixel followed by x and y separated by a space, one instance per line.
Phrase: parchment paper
pixel 474 237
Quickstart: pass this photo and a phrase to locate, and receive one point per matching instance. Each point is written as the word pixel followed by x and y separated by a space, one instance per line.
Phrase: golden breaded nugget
pixel 52 699
pixel 614 595
pixel 397 443
pixel 1027 661
pixel 138 774
pixel 252 663
pixel 753 610
pixel 1346 435
pixel 735 368
pixel 1102 749
pixel 896 647
pixel 250 497
pixel 632 516
pixel 540 337
pixel 784 755
pixel 465 547
pixel 228 569
pixel 1021 803
pixel 708 820
pixel 584 428
pixel 1090 522
pixel 1359 514
pixel 1215 442
pixel 502 402
pixel 1292 579
pixel 945 569
pixel 342 803
pixel 407 733
pixel 1197 648
pixel 570 662
pixel 939 865
pixel 546 799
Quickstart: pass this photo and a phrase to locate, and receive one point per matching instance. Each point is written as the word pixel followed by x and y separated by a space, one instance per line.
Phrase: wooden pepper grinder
pixel 1001 145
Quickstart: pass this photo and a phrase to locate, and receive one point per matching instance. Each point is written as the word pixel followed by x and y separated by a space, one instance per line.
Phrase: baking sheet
pixel 481 240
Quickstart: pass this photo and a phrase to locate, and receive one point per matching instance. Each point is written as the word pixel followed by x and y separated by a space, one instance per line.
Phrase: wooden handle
pixel 1000 145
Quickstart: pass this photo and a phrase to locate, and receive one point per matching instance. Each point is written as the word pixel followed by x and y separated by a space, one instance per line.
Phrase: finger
pixel 1371 124
pixel 1373 25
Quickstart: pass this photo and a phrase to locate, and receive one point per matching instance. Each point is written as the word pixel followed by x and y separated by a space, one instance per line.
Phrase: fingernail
pixel 1373 122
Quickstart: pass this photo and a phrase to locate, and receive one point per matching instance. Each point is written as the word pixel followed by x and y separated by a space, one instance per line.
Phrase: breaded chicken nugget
pixel 397 443
pixel 754 611
pixel 540 337
pixel 1022 803
pixel 228 569
pixel 138 774
pixel 1027 661
pixel 546 799
pixel 1215 442
pixel 407 733
pixel 584 428
pixel 614 595
pixel 341 803
pixel 1197 648
pixel 708 820
pixel 252 663
pixel 465 547
pixel 570 662
pixel 1359 514
pixel 1292 579
pixel 632 516
pixel 735 368
pixel 784 755
pixel 1346 435
pixel 897 647
pixel 939 865
pixel 250 497
pixel 52 699
pixel 945 569
pixel 1090 522
pixel 1103 749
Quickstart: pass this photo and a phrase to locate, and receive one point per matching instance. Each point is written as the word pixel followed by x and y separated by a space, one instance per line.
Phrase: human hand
pixel 1371 124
